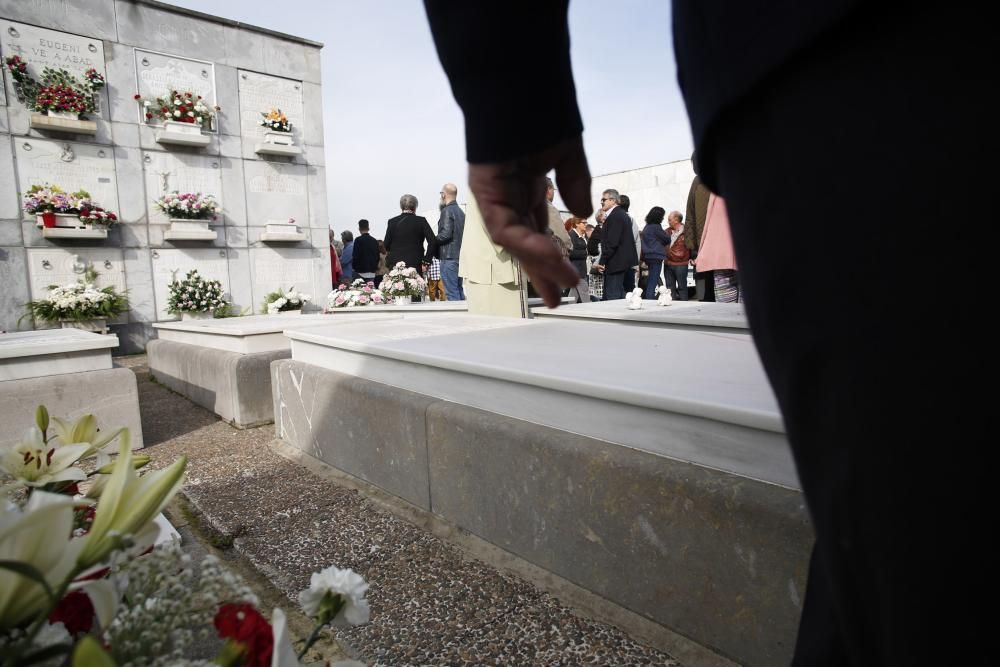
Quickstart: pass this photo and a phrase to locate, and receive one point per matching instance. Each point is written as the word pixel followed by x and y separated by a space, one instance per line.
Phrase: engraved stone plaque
pixel 62 266
pixel 276 192
pixel 282 267
pixel 71 166
pixel 158 74
pixel 40 48
pixel 259 93
pixel 210 262
pixel 167 172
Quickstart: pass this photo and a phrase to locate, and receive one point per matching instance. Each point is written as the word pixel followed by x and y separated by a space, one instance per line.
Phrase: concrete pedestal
pixel 70 372
pixel 663 483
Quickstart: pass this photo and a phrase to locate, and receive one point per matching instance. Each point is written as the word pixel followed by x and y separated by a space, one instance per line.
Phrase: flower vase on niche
pixel 48 219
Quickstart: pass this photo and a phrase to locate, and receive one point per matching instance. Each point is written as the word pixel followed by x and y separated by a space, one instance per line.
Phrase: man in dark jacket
pixel 578 258
pixel 405 236
pixel 451 226
pixel 774 88
pixel 617 247
pixel 365 253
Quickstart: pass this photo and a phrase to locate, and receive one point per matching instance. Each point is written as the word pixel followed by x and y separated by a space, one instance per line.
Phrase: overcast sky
pixel 392 126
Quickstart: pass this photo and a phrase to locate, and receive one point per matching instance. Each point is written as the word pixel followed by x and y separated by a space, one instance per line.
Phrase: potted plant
pixel 181 112
pixel 278 129
pixel 403 283
pixel 280 301
pixel 195 298
pixel 79 305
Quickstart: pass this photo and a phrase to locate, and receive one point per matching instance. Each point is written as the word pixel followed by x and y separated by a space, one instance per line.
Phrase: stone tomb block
pixel 170 262
pixel 62 266
pixel 180 172
pixel 276 192
pixel 41 48
pixel 272 268
pixel 72 166
pixel 259 93
pixel 159 73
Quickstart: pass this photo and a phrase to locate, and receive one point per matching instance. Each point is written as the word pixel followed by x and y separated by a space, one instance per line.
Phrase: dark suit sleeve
pixel 487 50
pixel 594 241
pixel 661 235
pixel 431 242
pixel 387 241
pixel 612 239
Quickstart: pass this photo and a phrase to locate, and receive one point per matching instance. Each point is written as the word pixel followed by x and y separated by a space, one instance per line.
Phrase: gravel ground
pixel 431 603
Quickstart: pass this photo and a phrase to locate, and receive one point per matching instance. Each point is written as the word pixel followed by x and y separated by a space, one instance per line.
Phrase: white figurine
pixel 634 300
pixel 665 298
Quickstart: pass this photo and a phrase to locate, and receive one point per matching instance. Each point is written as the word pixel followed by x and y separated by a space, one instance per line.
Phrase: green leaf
pixel 88 653
pixel 29 572
pixel 45 654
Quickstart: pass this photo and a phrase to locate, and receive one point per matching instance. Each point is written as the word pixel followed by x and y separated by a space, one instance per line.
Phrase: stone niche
pixel 285 268
pixel 259 93
pixel 276 192
pixel 62 266
pixel 168 263
pixel 69 165
pixel 158 74
pixel 41 48
pixel 181 172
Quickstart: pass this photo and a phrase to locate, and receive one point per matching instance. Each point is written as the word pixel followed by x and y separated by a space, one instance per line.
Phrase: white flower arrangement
pixel 78 301
pixel 360 293
pixel 194 294
pixel 279 301
pixel 403 281
pixel 79 585
pixel 188 205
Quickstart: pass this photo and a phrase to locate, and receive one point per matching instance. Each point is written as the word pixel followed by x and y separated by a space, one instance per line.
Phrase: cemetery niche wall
pixel 114 114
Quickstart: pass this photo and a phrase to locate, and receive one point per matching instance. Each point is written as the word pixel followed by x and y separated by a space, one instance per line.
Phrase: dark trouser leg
pixel 875 388
pixel 652 279
pixel 614 286
pixel 679 282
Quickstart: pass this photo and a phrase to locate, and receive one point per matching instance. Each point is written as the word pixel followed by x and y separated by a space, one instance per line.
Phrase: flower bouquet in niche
pixel 189 213
pixel 188 206
pixel 194 297
pixel 275 121
pixel 280 301
pixel 79 305
pixel 359 294
pixel 184 108
pixel 58 93
pixel 403 283
pixel 53 207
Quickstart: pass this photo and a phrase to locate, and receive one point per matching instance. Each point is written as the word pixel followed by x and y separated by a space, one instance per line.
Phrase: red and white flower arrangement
pixel 179 107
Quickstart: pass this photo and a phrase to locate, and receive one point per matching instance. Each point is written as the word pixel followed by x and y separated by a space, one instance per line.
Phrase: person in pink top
pixel 717 253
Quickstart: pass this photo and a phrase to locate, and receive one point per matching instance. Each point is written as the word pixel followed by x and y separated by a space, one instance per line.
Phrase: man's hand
pixel 599 267
pixel 511 197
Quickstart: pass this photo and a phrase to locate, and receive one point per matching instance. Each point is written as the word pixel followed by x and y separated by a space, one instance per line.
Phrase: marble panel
pixel 168 263
pixel 70 165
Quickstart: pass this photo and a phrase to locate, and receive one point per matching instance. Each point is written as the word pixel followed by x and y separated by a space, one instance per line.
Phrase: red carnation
pixel 137 96
pixel 149 116
pixel 75 611
pixel 188 94
pixel 244 624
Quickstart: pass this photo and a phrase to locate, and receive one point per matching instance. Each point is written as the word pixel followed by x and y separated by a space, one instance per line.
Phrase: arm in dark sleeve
pixel 595 240
pixel 474 43
pixel 387 241
pixel 446 227
pixel 431 242
pixel 661 235
pixel 613 234
pixel 689 239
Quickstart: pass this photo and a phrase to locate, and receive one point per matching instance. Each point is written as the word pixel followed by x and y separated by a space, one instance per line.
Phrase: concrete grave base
pixel 716 556
pixel 110 395
pixel 233 385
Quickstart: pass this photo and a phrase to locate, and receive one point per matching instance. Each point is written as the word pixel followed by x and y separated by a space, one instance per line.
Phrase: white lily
pixel 33 462
pixel 37 536
pixel 128 503
pixel 85 430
